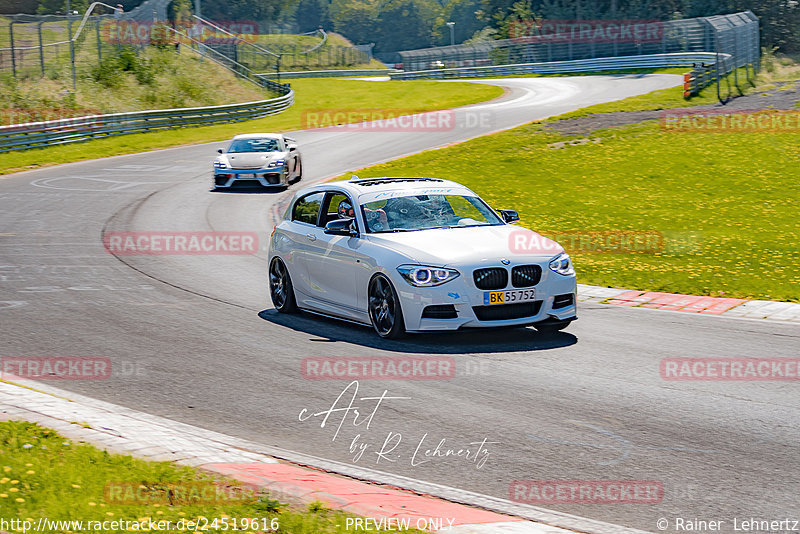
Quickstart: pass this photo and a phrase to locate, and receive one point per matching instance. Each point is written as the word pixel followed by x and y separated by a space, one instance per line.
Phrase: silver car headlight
pixel 562 264
pixel 276 163
pixel 426 276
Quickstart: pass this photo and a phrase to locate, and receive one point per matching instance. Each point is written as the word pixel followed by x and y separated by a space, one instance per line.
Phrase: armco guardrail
pixel 329 73
pixel 61 131
pixel 680 59
pixel 702 75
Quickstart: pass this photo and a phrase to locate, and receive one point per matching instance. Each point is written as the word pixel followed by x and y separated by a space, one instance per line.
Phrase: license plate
pixel 508 297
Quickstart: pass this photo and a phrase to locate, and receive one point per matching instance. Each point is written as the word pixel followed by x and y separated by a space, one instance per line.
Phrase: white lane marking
pixel 537 92
pixel 8 304
pixel 113 185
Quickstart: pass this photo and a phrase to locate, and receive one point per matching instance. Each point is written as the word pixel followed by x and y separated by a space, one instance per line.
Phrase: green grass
pixel 44 475
pixel 311 94
pixel 655 100
pixel 736 193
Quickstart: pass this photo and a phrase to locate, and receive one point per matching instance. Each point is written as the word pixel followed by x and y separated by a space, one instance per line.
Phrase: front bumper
pixel 226 178
pixel 459 304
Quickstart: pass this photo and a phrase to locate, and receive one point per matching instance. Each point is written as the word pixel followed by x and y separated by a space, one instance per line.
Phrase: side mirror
pixel 509 216
pixel 345 227
pixel 219 150
pixel 292 148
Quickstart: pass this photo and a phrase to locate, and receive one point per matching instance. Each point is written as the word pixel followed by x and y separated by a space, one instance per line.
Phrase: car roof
pixel 258 136
pixel 370 187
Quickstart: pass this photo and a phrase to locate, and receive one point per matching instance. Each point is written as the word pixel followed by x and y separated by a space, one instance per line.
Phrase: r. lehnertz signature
pixel 475 452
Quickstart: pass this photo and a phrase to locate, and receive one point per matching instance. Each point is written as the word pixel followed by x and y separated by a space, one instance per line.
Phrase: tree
pixel 49 7
pixel 312 14
pixel 246 10
pixel 180 11
pixel 402 27
pixel 463 13
pixel 18 6
pixel 356 19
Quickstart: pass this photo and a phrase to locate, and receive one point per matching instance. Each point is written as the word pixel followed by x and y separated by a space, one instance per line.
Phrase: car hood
pixel 251 160
pixel 470 245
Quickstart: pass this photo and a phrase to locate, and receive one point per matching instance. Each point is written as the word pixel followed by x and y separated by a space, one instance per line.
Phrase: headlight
pixel 425 276
pixel 561 264
pixel 276 163
pixel 220 165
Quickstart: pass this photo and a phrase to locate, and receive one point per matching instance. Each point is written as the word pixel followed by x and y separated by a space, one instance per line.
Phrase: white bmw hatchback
pixel 416 255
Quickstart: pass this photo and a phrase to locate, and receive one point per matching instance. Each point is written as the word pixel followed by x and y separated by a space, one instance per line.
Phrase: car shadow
pixel 328 330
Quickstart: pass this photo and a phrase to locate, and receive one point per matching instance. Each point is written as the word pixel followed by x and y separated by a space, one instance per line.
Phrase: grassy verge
pixel 124 81
pixel 43 475
pixel 310 94
pixel 319 59
pixel 734 193
pixel 656 100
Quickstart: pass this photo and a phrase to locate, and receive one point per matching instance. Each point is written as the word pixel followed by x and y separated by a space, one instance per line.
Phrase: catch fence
pixel 734 40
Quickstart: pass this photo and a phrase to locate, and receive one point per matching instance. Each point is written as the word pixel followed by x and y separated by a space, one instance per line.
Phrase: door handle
pixel 311 237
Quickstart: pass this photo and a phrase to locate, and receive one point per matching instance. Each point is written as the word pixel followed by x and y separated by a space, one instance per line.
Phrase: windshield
pixel 422 212
pixel 254 145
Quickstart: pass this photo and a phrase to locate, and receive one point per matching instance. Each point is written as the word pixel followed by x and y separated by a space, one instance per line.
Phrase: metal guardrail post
pixel 687 85
pixel 99 45
pixel 13 59
pixel 71 47
pixel 41 46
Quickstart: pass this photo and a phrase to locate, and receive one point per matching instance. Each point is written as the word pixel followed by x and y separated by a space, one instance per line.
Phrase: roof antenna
pixel 354 177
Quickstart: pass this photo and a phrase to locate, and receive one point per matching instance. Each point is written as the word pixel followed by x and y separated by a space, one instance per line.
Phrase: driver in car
pixel 346 210
pixel 376 219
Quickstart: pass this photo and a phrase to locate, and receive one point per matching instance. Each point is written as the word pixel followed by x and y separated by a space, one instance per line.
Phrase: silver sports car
pixel 258 159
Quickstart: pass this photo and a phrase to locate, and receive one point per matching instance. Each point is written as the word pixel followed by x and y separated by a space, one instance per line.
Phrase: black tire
pixel 385 313
pixel 280 287
pixel 298 171
pixel 552 328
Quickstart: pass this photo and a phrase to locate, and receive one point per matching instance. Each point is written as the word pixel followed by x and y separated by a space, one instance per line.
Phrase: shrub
pixel 109 72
